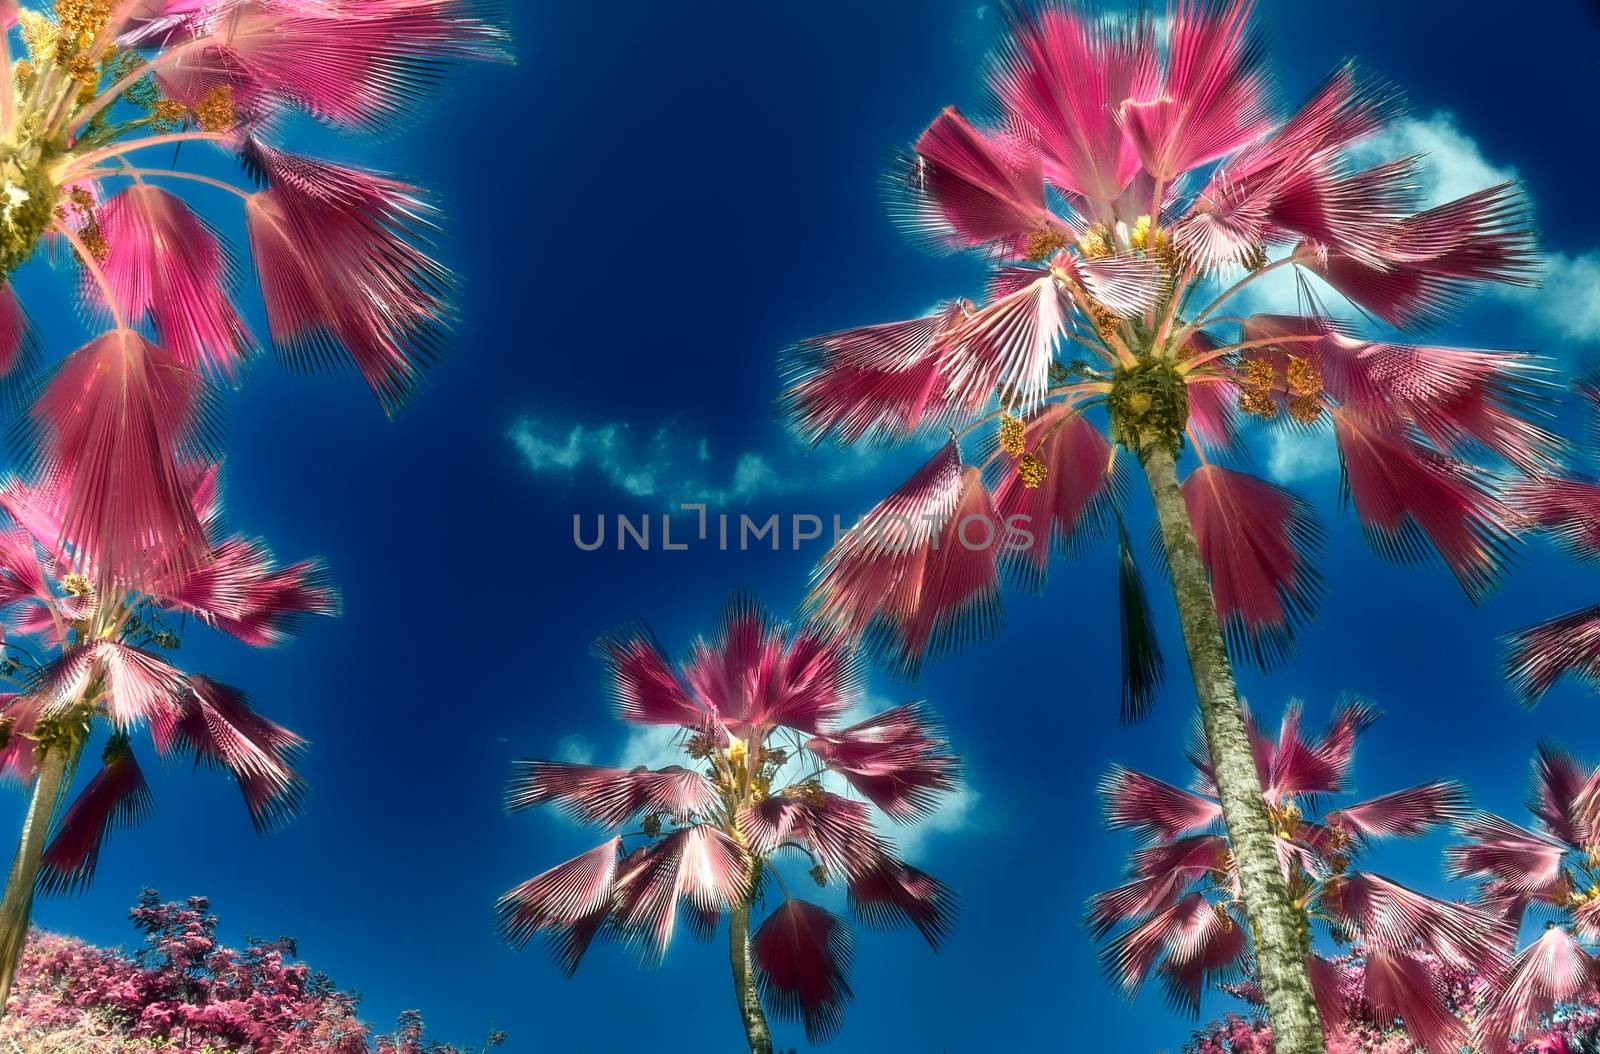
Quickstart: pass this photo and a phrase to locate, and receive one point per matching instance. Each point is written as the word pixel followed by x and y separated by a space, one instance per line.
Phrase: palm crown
pixel 1553 870
pixel 760 707
pixel 1177 916
pixel 87 655
pixel 1113 188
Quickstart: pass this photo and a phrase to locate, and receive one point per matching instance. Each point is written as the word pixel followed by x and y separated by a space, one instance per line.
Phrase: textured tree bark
pixel 1274 923
pixel 17 906
pixel 744 981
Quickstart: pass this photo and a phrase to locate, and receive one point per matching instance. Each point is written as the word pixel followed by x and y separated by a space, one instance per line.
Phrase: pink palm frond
pixel 1210 944
pixel 166 263
pixel 1400 986
pixel 1565 510
pixel 136 685
pixel 1405 813
pixel 914 571
pixel 1060 75
pixel 1192 940
pixel 894 893
pixel 113 422
pixel 222 729
pixel 1007 344
pixel 1214 407
pixel 699 865
pixel 754 674
pixel 1560 787
pixel 965 188
pixel 1436 258
pixel 1213 95
pixel 346 275
pixel 22 574
pixel 239 589
pixel 560 900
pixel 1538 656
pixel 1515 859
pixel 1395 919
pixel 1407 494
pixel 1349 106
pixel 1259 542
pixel 1071 505
pixel 1347 212
pixel 645 688
pixel 1550 971
pixel 1135 899
pixel 802 954
pixel 836 831
pixel 880 382
pixel 1464 400
pixel 365 65
pixel 806 682
pixel 1154 809
pixel 609 796
pixel 898 760
pixel 19 343
pixel 118 796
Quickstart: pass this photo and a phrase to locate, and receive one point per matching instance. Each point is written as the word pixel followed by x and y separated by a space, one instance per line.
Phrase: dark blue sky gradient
pixel 656 200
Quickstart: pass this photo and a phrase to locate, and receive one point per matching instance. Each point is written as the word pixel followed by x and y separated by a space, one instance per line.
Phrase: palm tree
pixel 122 426
pixel 1567 509
pixel 90 657
pixel 759 708
pixel 1553 869
pixel 1178 915
pixel 1136 184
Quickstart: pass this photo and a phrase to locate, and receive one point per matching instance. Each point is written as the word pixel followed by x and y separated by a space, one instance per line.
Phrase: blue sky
pixel 645 210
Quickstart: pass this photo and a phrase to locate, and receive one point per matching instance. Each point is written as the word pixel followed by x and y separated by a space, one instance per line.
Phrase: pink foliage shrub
pixel 1574 1029
pixel 183 992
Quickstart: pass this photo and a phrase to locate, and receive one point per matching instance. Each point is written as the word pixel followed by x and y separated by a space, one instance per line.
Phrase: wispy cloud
pixel 1294 456
pixel 672 464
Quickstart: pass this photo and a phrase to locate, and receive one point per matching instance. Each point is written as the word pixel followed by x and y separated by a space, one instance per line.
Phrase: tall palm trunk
pixel 17 906
pixel 1275 924
pixel 744 980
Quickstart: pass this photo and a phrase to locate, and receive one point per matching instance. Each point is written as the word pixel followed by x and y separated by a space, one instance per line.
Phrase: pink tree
pixel 1139 179
pixel 1178 915
pixel 760 707
pixel 86 656
pixel 1551 869
pixel 1567 509
pixel 1361 1027
pixel 185 992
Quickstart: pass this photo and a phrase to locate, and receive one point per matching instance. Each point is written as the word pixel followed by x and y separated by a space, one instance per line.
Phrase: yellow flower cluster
pixel 1013 435
pixel 1097 244
pixel 1042 244
pixel 1031 471
pixel 1255 394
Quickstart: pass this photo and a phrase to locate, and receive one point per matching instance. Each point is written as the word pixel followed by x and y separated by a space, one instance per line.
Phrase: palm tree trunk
pixel 744 980
pixel 1274 923
pixel 17 906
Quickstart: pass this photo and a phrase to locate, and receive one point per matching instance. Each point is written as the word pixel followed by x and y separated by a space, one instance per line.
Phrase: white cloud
pixel 958 812
pixel 671 465
pixel 1297 455
pixel 1567 303
pixel 575 750
pixel 1452 164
